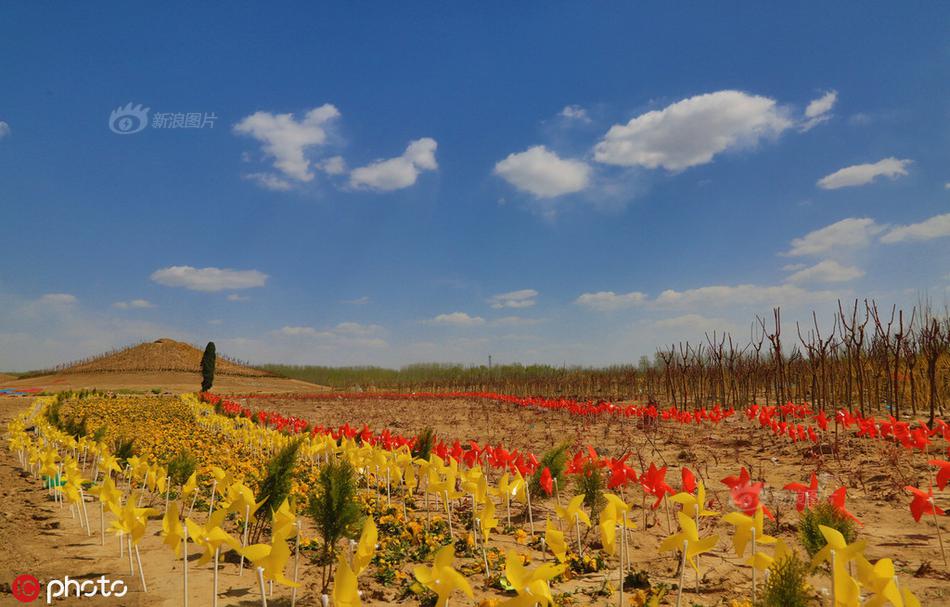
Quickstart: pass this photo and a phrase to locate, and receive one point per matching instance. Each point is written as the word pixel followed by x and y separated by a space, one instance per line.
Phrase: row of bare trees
pixel 866 359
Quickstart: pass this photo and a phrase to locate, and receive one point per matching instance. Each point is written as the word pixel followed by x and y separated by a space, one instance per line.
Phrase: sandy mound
pixel 162 355
pixel 5 377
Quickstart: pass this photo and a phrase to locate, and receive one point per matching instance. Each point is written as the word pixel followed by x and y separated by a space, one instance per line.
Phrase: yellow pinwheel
pixel 345 591
pixel 486 518
pixel 555 541
pixel 48 461
pixel 762 561
pixel 910 600
pixel 745 525
pixel 130 520
pixel 272 558
pixel 284 520
pixel 366 548
pixel 210 536
pixel 188 489
pixel 839 553
pixel 690 535
pixel 879 579
pixel 692 502
pixel 172 530
pixel 107 492
pixel 573 512
pixel 532 586
pixel 240 499
pixel 109 463
pixel 441 578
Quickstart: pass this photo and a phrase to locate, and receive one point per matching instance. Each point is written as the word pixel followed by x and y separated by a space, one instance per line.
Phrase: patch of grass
pixel 823 513
pixel 787 583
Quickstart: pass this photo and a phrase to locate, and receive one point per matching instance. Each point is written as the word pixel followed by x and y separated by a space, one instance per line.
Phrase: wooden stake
pixel 679 594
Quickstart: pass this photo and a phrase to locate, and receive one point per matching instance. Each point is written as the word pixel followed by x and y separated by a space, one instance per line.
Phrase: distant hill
pixel 162 355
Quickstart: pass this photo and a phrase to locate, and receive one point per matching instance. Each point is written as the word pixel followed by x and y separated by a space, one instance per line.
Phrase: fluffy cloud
pixel 135 304
pixel 937 226
pixel 692 131
pixel 738 295
pixel 826 271
pixel 604 301
pixel 335 165
pixel 456 319
pixel 400 172
pixel 208 279
pixel 819 110
pixel 284 139
pixel 269 181
pixel 853 232
pixel 4 129
pixel 543 173
pixel 861 174
pixel 525 298
pixel 574 112
pixel 237 297
pixel 345 334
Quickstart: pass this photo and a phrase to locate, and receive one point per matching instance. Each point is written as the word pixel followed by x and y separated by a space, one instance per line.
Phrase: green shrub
pixel 827 514
pixel 334 510
pixel 182 466
pixel 555 460
pixel 591 484
pixel 787 583
pixel 424 443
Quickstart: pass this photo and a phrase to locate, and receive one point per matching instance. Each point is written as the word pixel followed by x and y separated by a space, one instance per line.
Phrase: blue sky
pixel 554 182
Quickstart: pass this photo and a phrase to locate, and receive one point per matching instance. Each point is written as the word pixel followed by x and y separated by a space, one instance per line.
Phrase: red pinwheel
pixel 620 472
pixel 838 498
pixel 943 474
pixel 547 481
pixel 807 494
pixel 821 420
pixel 745 493
pixel 653 482
pixel 923 503
pixel 689 480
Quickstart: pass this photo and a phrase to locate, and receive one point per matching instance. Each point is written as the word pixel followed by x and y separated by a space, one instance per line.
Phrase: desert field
pixel 51 541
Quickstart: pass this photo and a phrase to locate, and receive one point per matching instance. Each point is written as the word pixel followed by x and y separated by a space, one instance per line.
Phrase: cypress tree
pixel 207 367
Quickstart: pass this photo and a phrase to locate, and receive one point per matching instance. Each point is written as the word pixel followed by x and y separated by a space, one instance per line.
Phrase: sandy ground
pixel 165 381
pixel 43 539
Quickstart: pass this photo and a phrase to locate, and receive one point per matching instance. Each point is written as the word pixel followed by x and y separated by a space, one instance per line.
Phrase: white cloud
pixel 604 301
pixel 335 165
pixel 818 110
pixel 359 301
pixel 57 299
pixel 400 172
pixel 4 129
pixel 937 226
pixel 456 319
pixel 284 139
pixel 739 295
pixel 237 297
pixel 861 174
pixel 692 131
pixel 852 233
pixel 826 271
pixel 134 304
pixel 208 279
pixel 269 181
pixel 575 112
pixel 345 334
pixel 525 298
pixel 543 173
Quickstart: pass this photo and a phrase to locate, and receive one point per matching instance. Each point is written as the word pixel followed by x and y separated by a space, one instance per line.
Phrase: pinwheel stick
pixel 184 562
pixel 214 486
pixel 247 515
pixel 943 551
pixel 577 534
pixel 217 553
pixel 624 531
pixel 138 559
pixel 679 593
pixel 753 566
pixel 82 502
pixel 530 516
pixel 131 564
pixel 834 597
pixel 260 583
pixel 293 593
